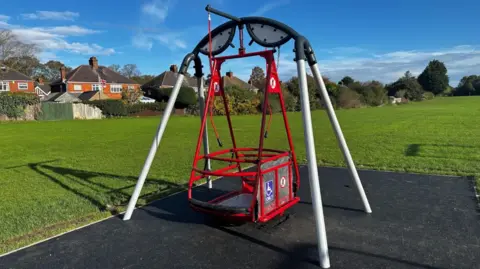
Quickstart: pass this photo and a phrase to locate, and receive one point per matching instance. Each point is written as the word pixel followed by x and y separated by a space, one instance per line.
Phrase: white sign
pixel 283 182
pixel 216 87
pixel 273 83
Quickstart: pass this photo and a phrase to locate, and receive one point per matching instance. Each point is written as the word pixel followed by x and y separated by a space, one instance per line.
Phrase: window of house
pixel 4 86
pixel 131 87
pixel 23 86
pixel 116 88
pixel 77 87
pixel 96 87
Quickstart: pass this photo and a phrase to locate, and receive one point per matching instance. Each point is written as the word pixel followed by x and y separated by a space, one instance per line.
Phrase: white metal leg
pixel 201 105
pixel 153 148
pixel 312 167
pixel 340 137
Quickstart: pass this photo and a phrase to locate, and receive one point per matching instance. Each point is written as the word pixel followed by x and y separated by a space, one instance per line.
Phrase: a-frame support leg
pixel 154 147
pixel 312 166
pixel 341 139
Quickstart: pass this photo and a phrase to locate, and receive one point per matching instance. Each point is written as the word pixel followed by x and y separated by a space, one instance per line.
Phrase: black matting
pixel 418 221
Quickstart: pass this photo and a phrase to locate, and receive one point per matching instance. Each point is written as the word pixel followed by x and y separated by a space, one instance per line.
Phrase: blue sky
pixel 364 39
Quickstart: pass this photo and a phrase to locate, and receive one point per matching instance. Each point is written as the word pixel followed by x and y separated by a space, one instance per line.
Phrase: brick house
pixel 13 81
pixel 89 77
pixel 167 79
pixel 230 80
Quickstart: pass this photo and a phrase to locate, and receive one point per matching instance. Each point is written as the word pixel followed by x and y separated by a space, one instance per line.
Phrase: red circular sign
pixel 283 182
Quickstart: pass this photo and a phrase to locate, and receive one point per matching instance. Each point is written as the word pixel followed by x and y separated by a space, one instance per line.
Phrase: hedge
pixel 118 108
pixel 186 96
pixel 13 104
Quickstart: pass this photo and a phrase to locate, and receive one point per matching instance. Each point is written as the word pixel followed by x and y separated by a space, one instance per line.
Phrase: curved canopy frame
pixel 267 33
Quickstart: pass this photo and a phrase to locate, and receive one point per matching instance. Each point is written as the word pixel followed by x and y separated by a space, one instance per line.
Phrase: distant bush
pixel 186 96
pixel 348 98
pixel 110 108
pixel 118 108
pixel 428 95
pixel 136 108
pixel 373 93
pixel 245 101
pixel 13 104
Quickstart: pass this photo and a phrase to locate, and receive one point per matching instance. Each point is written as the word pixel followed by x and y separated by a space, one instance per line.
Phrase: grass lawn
pixel 55 176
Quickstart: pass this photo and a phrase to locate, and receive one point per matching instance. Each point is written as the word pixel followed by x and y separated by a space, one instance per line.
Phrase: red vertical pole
pixel 210 98
pixel 289 136
pixel 227 113
pixel 268 58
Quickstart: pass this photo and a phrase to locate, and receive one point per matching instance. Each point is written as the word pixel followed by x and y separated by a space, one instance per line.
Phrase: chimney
pixel 93 62
pixel 173 68
pixel 230 74
pixel 63 74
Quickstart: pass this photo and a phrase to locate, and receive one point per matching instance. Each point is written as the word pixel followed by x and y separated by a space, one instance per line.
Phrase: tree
pixel 468 85
pixel 409 85
pixel 131 96
pixel 23 64
pixel 257 78
pixel 17 54
pixel 293 87
pixel 346 81
pixel 50 70
pixel 373 93
pixel 130 70
pixel 434 78
pixel 115 67
pixel 142 79
pixel 12 47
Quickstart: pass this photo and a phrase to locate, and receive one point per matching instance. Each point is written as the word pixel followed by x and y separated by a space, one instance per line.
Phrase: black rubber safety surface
pixel 418 221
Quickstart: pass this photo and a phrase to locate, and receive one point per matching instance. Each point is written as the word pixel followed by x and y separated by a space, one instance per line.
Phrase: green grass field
pixel 55 176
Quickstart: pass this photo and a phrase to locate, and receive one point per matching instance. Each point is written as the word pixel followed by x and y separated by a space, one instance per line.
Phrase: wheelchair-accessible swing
pixel 271 186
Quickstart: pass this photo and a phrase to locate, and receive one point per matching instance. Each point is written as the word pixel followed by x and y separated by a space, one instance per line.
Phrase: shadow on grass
pixel 68 177
pixel 416 151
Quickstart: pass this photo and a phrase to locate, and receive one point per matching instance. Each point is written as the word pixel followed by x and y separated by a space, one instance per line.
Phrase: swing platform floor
pixel 418 221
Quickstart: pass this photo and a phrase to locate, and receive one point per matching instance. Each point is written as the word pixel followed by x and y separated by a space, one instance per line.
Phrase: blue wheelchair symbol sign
pixel 269 191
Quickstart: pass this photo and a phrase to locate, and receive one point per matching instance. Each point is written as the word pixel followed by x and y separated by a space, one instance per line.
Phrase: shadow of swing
pixel 443 151
pixel 67 178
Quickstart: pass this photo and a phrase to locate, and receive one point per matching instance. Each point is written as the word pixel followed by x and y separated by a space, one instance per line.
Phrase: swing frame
pixel 252 181
pixel 268 33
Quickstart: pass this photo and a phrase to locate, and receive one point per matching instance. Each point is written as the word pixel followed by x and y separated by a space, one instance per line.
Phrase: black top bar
pixel 256 27
pixel 220 13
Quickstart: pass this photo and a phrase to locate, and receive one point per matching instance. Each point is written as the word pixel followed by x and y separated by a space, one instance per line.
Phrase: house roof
pixel 45 88
pixel 234 81
pixel 65 96
pixel 7 73
pixel 85 73
pixel 168 78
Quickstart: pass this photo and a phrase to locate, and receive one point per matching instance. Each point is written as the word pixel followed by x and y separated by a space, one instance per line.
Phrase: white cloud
pixel 142 41
pixel 171 40
pixel 4 18
pixel 386 67
pixel 51 15
pixel 180 43
pixel 72 30
pixel 156 9
pixel 268 7
pixel 54 39
pixel 47 56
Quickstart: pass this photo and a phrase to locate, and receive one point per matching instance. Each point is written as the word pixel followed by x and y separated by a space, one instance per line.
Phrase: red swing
pixel 270 187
